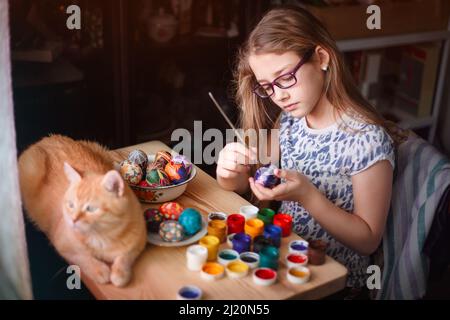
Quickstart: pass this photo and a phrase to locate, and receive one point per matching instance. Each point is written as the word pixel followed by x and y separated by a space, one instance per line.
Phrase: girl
pixel 336 151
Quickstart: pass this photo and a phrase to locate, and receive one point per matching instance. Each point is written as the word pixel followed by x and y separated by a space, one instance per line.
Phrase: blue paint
pixel 189 293
pixel 241 242
pixel 300 247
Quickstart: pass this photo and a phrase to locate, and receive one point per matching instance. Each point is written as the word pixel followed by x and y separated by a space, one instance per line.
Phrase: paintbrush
pixel 226 118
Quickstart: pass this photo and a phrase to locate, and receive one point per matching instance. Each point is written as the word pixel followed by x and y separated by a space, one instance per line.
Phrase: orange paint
pixel 298 273
pixel 213 268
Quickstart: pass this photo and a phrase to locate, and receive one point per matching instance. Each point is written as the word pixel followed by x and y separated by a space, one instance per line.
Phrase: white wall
pixel 14 272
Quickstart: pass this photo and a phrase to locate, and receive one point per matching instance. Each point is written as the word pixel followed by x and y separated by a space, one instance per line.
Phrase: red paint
pixel 285 222
pixel 265 274
pixel 297 258
pixel 236 223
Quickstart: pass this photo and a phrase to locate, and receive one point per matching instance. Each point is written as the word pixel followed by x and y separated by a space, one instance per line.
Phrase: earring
pixel 325 68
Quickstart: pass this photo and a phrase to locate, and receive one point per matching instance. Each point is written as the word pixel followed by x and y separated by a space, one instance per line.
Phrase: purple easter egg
pixel 182 159
pixel 266 176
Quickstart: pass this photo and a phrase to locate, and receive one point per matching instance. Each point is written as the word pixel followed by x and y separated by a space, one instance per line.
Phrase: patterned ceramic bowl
pixel 163 193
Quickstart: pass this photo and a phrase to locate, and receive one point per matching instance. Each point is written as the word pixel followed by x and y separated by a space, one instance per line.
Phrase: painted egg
pixel 266 176
pixel 143 184
pixel 131 172
pixel 171 231
pixel 191 220
pixel 171 210
pixel 162 158
pixel 139 157
pixel 176 172
pixel 153 218
pixel 182 159
pixel 157 178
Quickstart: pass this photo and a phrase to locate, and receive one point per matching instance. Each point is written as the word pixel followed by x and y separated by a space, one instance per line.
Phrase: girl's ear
pixel 71 174
pixel 324 58
pixel 113 182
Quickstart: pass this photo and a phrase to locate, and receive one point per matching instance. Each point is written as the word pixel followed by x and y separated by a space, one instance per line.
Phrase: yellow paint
pixel 237 266
pixel 212 244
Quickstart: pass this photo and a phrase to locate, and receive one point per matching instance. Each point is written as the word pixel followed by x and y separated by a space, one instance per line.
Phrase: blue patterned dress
pixel 329 157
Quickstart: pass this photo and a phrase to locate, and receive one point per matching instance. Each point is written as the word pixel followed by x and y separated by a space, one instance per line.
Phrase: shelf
pixel 391 41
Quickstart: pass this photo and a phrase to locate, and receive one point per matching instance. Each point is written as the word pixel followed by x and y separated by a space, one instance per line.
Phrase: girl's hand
pixel 234 160
pixel 295 187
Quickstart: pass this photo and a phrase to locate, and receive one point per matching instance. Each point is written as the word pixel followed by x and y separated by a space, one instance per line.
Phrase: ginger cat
pixel 72 193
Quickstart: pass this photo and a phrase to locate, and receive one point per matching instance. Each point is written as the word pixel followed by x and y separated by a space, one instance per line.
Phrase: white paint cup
pixel 249 212
pixel 196 256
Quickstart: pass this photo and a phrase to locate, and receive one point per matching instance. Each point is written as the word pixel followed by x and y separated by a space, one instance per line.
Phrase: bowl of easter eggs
pixel 157 178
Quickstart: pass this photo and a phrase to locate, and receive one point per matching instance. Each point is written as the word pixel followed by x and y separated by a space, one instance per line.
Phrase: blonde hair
pixel 289 28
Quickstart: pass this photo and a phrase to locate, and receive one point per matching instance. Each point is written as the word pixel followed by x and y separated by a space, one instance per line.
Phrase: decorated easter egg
pixel 162 158
pixel 266 176
pixel 153 218
pixel 143 184
pixel 191 220
pixel 156 177
pixel 131 172
pixel 176 171
pixel 139 157
pixel 171 231
pixel 182 159
pixel 171 210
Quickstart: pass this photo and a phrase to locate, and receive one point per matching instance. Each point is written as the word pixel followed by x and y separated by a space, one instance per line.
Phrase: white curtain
pixel 14 271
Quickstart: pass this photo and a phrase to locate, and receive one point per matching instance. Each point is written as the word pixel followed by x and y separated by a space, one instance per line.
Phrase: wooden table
pixel 160 271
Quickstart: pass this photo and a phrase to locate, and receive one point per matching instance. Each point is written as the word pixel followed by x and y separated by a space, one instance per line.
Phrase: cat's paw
pixel 120 277
pixel 102 273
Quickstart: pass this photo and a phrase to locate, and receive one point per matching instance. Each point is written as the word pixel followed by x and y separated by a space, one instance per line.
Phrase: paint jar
pixel 217 216
pixel 317 252
pixel 236 223
pixel 196 256
pixel 226 256
pixel 260 242
pixel 273 233
pixel 189 293
pixel 264 276
pixel 250 258
pixel 218 228
pixel 266 215
pixel 236 269
pixel 298 275
pixel 212 244
pixel 254 227
pixel 249 212
pixel 298 246
pixel 296 260
pixel 212 271
pixel 268 257
pixel 230 240
pixel 241 242
pixel 285 222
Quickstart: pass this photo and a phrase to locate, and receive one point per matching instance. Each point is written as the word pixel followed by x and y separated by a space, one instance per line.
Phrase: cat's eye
pixel 91 208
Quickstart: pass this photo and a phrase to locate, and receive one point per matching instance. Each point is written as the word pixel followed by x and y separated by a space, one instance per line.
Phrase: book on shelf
pixel 365 69
pixel 417 79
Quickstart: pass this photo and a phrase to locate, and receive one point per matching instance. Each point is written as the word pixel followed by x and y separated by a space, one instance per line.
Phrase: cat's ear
pixel 71 174
pixel 113 182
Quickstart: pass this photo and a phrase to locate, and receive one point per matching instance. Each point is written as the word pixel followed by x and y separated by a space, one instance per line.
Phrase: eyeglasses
pixel 284 81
